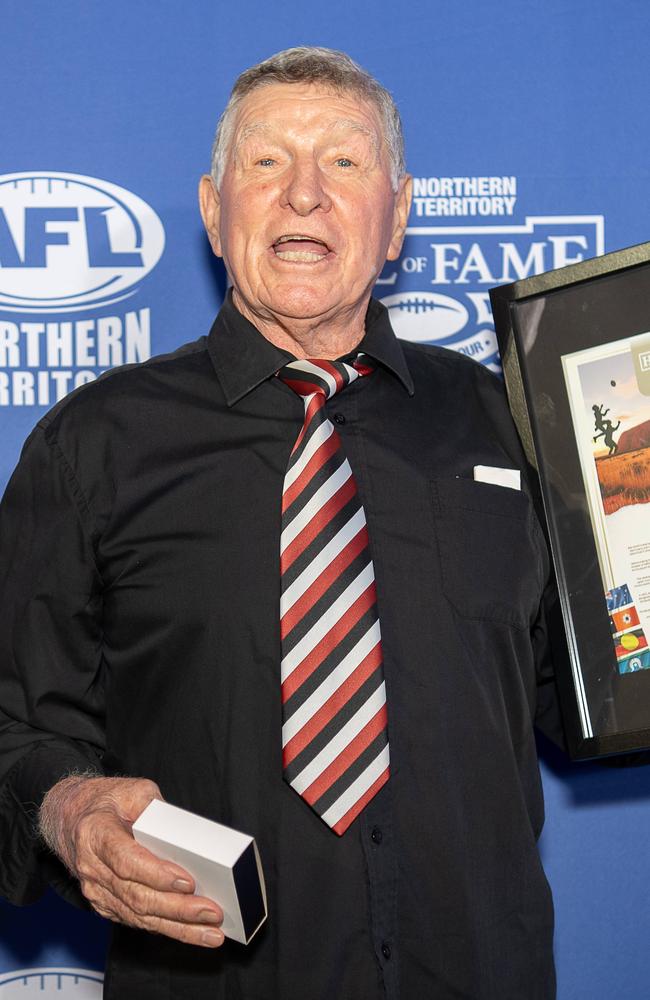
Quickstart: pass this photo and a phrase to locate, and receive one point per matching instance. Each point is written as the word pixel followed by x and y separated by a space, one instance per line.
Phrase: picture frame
pixel 575 350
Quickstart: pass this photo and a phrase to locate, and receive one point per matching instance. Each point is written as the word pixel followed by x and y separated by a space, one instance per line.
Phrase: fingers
pixel 144 902
pixel 193 920
pixel 204 937
pixel 144 899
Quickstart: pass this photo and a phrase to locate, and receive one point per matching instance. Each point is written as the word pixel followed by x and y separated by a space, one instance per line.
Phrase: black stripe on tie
pixel 359 698
pixel 356 768
pixel 324 669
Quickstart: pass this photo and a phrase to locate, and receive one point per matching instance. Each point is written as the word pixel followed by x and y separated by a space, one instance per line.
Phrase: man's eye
pixel 266 161
pixel 344 161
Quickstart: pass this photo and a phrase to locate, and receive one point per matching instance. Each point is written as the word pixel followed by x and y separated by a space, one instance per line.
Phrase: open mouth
pixel 300 248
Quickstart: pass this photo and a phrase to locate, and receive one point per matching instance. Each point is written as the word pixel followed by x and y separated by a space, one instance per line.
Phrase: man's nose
pixel 305 190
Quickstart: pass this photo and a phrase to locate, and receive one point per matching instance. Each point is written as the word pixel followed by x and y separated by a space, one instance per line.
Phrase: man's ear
pixel 210 205
pixel 400 216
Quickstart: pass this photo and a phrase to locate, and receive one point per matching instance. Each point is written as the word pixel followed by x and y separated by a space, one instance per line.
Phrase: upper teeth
pixel 285 239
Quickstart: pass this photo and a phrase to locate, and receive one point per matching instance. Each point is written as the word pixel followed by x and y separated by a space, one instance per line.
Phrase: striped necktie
pixel 334 719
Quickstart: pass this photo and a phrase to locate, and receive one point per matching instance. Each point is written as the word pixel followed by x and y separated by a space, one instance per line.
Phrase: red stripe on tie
pixel 352 813
pixel 346 757
pixel 329 641
pixel 334 704
pixel 315 463
pixel 319 521
pixel 323 582
pixel 317 402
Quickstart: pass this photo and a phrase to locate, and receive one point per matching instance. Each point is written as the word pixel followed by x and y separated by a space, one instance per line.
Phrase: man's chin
pixel 303 302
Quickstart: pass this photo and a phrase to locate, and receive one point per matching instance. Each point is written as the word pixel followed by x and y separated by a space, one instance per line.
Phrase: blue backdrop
pixel 527 135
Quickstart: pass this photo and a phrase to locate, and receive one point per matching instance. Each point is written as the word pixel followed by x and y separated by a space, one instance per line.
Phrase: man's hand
pixel 87 823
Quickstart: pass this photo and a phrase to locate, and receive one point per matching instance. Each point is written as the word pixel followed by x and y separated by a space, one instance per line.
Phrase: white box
pixel 224 863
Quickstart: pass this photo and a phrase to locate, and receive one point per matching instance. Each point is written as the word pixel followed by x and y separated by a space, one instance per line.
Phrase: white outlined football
pixel 63 982
pixel 425 316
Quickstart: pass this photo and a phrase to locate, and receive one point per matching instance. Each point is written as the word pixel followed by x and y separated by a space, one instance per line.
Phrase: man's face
pixel 306 214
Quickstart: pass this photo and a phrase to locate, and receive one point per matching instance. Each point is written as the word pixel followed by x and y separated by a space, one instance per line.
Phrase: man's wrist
pixel 57 809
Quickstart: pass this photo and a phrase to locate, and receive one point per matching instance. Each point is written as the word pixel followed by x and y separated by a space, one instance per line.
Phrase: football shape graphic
pixel 64 983
pixel 425 317
pixel 69 242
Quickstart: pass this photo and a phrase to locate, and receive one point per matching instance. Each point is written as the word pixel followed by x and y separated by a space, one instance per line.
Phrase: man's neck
pixel 325 337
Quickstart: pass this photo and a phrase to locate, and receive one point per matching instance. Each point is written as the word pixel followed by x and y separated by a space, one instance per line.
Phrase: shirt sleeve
pixel 51 701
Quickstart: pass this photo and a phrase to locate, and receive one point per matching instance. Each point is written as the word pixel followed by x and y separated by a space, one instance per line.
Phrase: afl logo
pixel 426 316
pixel 69 242
pixel 76 984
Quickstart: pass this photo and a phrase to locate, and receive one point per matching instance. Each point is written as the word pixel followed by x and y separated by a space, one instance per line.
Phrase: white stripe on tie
pixel 332 683
pixel 358 788
pixel 339 742
pixel 319 499
pixel 318 565
pixel 327 621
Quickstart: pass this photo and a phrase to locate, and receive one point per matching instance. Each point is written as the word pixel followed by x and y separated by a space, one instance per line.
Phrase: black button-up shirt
pixel 139 635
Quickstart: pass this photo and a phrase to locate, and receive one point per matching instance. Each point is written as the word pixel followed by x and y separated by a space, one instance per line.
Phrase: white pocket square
pixel 498 477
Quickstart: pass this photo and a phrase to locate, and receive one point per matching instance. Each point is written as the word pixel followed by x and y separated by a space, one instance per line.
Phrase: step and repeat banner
pixel 527 137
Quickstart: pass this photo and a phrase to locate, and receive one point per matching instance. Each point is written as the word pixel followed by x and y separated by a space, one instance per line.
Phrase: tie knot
pixel 311 375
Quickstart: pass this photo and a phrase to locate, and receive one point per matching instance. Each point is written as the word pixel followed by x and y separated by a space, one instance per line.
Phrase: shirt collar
pixel 380 343
pixel 243 358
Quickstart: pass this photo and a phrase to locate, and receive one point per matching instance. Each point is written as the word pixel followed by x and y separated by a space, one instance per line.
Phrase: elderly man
pixel 363 703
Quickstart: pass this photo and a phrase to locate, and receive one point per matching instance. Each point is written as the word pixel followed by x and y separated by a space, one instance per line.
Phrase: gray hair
pixel 326 67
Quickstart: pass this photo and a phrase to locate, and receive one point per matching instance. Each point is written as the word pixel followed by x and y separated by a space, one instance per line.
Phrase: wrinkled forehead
pixel 277 108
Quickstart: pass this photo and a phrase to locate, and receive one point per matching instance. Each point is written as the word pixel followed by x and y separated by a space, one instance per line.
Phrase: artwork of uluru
pixel 624 476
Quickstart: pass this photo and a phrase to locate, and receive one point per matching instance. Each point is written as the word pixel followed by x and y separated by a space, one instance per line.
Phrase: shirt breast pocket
pixel 489 555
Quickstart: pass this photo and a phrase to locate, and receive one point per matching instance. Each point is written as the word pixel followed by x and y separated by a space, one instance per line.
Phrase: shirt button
pixel 339 418
pixel 385 949
pixel 376 836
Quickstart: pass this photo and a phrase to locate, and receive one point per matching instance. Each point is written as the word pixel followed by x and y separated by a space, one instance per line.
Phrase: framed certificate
pixel 575 347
